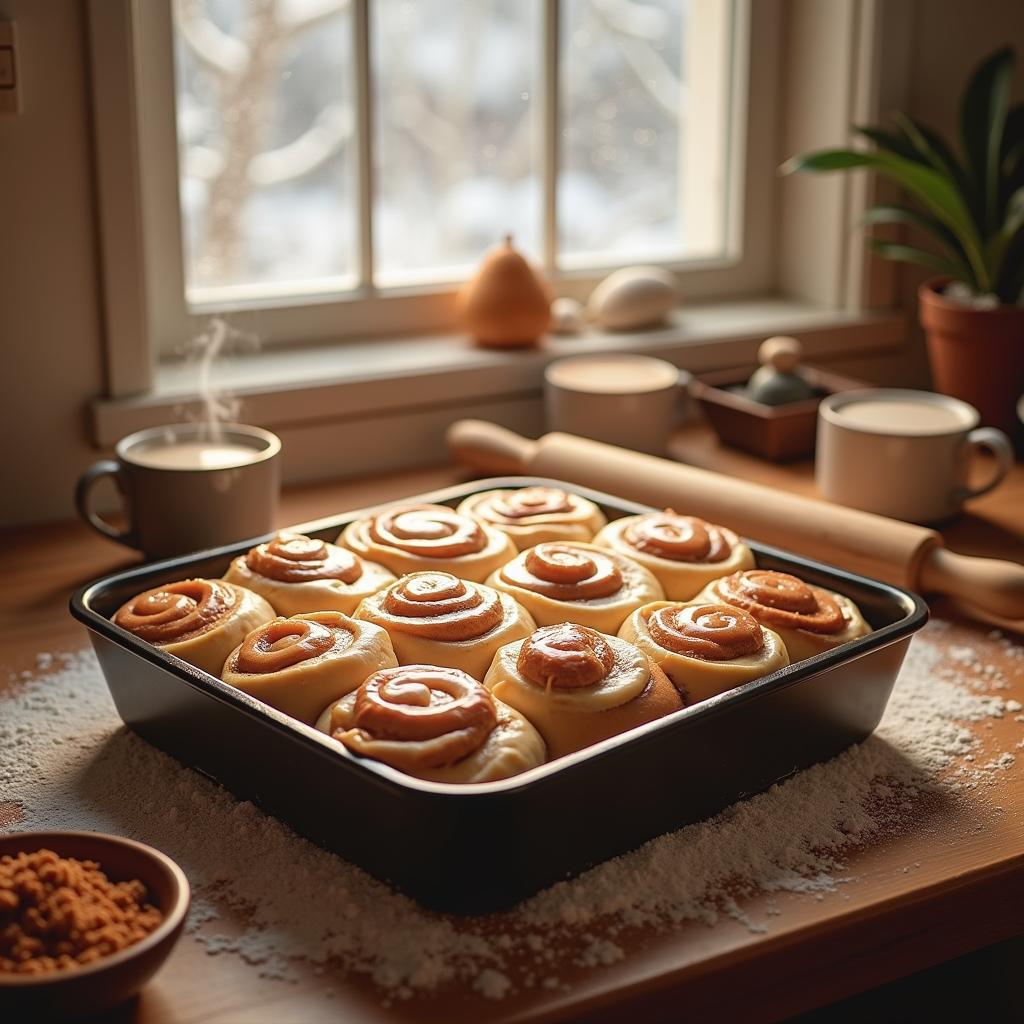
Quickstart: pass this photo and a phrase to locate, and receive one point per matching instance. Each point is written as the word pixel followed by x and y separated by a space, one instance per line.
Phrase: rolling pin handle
pixel 488 447
pixel 994 585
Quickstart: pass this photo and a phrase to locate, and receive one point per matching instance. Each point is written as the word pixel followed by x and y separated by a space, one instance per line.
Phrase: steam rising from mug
pixel 218 405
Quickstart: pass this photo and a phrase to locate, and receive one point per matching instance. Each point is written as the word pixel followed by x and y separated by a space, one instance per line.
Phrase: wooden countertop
pixel 965 890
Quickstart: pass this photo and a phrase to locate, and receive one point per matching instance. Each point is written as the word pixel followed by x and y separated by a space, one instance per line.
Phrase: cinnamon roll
pixel 705 649
pixel 435 618
pixel 535 515
pixel 301 664
pixel 411 538
pixel 575 582
pixel 808 619
pixel 436 723
pixel 199 621
pixel 579 686
pixel 299 574
pixel 685 553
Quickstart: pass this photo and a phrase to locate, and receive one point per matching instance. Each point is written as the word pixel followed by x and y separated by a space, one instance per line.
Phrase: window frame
pixel 819 261
pixel 133 80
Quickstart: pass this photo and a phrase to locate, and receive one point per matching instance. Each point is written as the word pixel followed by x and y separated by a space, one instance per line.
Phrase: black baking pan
pixel 476 849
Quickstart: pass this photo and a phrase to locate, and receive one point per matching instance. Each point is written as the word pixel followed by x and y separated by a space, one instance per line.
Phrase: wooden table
pixel 968 890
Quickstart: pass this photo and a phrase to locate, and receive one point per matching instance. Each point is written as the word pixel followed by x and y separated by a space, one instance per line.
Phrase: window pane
pixel 644 86
pixel 265 135
pixel 455 133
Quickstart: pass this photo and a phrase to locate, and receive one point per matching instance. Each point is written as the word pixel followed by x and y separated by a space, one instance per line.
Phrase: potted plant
pixel 968 202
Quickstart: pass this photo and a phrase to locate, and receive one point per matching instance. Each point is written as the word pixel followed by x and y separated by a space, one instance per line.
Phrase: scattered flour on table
pixel 67 762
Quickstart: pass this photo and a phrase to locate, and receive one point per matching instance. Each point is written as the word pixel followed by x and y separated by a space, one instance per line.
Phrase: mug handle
pixel 83 495
pixel 997 443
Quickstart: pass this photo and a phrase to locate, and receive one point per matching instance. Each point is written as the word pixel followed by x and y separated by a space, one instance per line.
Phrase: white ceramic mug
pixel 185 492
pixel 904 454
pixel 627 400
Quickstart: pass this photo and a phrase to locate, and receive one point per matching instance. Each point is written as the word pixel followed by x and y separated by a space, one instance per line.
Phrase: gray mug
pixel 175 509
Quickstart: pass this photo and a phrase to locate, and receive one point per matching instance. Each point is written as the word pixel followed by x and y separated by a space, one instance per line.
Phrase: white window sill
pixel 304 386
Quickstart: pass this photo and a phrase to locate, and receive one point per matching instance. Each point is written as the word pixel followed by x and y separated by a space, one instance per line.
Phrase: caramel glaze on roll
pixel 705 649
pixel 435 618
pixel 199 621
pixel 436 723
pixel 808 619
pixel 301 664
pixel 299 574
pixel 535 515
pixel 579 686
pixel 685 553
pixel 413 538
pixel 577 582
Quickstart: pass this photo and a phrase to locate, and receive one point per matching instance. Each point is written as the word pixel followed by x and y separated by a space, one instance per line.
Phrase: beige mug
pixel 631 401
pixel 904 454
pixel 184 491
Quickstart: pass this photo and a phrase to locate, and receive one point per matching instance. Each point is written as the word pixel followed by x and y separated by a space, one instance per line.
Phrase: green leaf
pixel 911 254
pixel 1013 133
pixel 892 213
pixel 935 192
pixel 888 141
pixel 982 118
pixel 936 152
pixel 1003 238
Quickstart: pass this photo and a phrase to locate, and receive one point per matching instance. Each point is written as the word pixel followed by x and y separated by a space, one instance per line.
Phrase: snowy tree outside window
pixel 269 154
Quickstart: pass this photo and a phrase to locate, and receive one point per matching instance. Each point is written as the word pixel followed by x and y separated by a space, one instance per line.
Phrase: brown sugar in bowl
pixel 109 980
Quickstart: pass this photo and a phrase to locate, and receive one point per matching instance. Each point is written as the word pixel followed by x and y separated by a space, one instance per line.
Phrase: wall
pixel 50 320
pixel 49 307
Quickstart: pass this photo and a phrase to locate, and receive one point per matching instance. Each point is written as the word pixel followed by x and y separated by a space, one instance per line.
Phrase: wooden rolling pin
pixel 887 549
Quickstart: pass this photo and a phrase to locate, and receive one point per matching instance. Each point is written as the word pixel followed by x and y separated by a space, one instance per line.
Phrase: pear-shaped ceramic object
pixel 506 304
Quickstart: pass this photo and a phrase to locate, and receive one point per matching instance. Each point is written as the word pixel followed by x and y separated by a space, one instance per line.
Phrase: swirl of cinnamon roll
pixel 435 618
pixel 298 665
pixel 177 611
pixel 809 619
pixel 576 582
pixel 685 553
pixel 705 648
pixel 440 606
pixel 564 573
pixel 579 686
pixel 435 723
pixel 297 574
pixel 295 558
pixel 536 515
pixel 782 601
pixel 197 620
pixel 712 632
pixel 565 656
pixel 680 538
pixel 409 538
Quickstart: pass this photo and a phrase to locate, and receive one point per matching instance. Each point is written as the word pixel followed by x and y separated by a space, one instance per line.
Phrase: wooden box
pixel 775 432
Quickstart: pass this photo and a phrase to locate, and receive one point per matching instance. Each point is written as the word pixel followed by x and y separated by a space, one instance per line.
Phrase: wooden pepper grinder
pixel 778 380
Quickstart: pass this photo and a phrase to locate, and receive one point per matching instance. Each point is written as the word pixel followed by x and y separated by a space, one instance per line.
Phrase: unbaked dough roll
pixel 434 618
pixel 705 649
pixel 809 619
pixel 534 515
pixel 301 664
pixel 414 538
pixel 579 686
pixel 199 621
pixel 685 553
pixel 575 582
pixel 436 723
pixel 299 574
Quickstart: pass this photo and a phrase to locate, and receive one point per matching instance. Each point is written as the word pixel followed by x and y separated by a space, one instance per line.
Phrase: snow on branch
pixel 333 127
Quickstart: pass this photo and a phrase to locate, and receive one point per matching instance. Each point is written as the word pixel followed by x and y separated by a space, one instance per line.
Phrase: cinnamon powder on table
pixel 58 913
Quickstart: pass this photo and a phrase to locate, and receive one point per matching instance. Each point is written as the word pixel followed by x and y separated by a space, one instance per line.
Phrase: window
pixel 367 152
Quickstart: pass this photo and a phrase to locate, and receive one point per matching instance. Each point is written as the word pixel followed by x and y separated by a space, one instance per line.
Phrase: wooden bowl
pixel 63 995
pixel 776 432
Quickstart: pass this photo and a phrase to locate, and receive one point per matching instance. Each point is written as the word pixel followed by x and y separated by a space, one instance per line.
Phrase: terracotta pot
pixel 976 355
